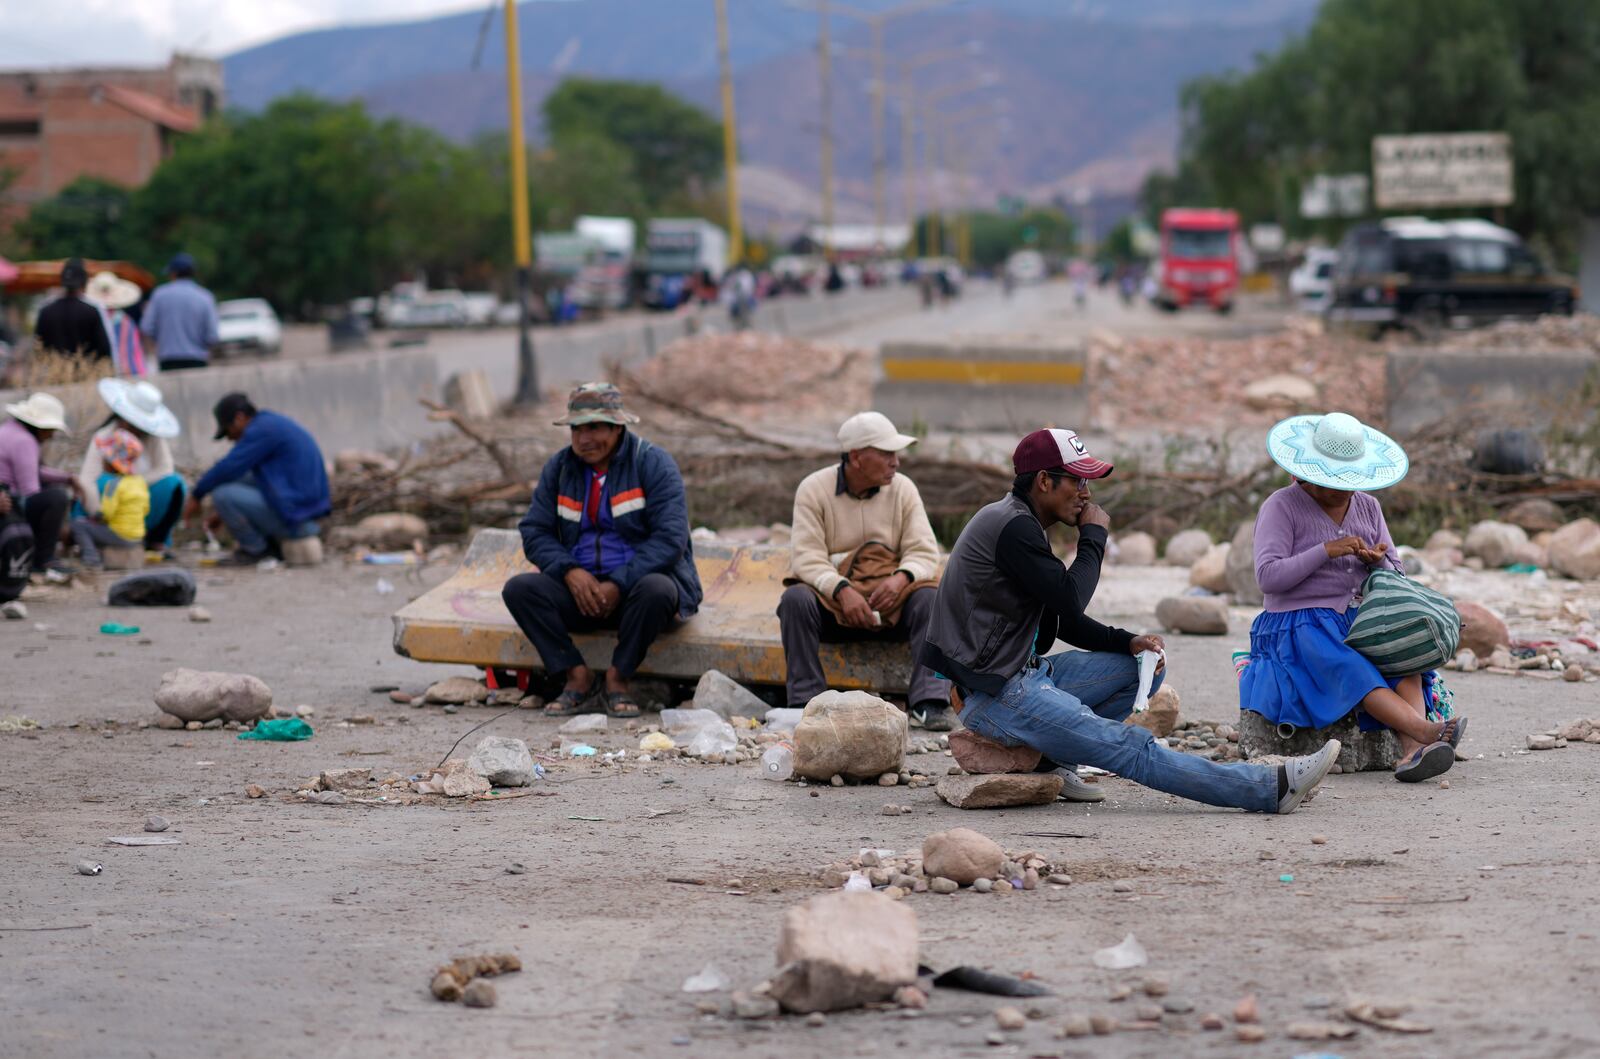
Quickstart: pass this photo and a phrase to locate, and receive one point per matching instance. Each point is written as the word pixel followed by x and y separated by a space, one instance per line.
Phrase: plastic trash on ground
pixel 709 980
pixel 656 741
pixel 576 748
pixel 857 883
pixel 783 718
pixel 1121 957
pixel 706 732
pixel 384 586
pixel 112 628
pixel 713 740
pixel 584 722
pixel 1148 660
pixel 281 730
pixel 777 763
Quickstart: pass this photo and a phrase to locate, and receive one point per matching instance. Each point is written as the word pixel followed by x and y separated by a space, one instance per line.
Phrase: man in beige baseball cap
pixel 862 550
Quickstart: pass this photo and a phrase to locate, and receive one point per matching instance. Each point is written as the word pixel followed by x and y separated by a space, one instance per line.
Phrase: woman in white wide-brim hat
pixel 137 406
pixel 1316 540
pixel 113 294
pixel 42 494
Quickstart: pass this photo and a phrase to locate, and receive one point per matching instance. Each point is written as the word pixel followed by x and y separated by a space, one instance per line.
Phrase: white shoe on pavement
pixel 1075 788
pixel 1305 773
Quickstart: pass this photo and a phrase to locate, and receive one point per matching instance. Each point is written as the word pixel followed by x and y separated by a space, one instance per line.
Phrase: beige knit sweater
pixel 828 525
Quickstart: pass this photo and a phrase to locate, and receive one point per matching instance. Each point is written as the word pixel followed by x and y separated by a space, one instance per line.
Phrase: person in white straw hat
pixel 137 406
pixel 1316 539
pixel 113 294
pixel 43 493
pixel 861 552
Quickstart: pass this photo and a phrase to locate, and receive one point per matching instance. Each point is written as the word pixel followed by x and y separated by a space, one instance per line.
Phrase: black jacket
pixel 71 325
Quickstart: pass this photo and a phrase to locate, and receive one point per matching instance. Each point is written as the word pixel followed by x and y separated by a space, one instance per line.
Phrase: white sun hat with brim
pixel 40 410
pixel 112 291
pixel 139 404
pixel 1338 451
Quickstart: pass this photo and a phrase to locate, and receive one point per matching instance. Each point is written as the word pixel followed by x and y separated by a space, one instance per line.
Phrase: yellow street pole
pixel 825 61
pixel 730 139
pixel 522 239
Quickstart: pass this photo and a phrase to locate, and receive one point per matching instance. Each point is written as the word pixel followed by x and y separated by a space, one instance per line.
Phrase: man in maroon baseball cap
pixel 1005 599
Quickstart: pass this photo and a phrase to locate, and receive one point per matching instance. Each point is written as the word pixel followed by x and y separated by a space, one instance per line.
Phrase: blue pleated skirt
pixel 1301 672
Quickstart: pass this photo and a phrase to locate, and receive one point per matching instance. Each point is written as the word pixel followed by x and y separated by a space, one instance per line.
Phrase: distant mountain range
pixel 1081 93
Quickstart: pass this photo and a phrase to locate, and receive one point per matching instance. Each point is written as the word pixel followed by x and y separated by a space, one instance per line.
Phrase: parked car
pixel 1426 275
pixel 248 324
pixel 1312 283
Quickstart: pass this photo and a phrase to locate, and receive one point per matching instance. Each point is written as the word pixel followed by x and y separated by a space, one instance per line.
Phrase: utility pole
pixel 730 139
pixel 825 71
pixel 527 366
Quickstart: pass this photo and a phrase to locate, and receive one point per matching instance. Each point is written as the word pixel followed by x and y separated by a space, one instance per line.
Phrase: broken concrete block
pixel 197 695
pixel 843 950
pixel 344 779
pixel 849 733
pixel 961 854
pixel 502 761
pixel 1359 751
pixel 981 756
pixel 999 792
pixel 726 697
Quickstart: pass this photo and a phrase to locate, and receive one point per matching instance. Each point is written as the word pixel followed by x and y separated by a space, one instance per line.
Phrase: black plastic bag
pixel 154 588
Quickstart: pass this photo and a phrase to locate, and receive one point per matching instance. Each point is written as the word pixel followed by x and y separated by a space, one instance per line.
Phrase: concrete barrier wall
pixel 1427 386
pixel 368 400
pixel 1003 382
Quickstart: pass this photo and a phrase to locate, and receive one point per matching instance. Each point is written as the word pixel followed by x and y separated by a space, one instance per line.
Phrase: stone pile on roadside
pixel 464 977
pixel 948 861
pixel 1583 730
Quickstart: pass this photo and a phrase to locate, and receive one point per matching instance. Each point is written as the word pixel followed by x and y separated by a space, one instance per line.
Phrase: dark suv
pixel 1422 274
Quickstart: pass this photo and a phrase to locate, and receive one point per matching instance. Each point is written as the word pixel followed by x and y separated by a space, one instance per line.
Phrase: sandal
pixel 620 704
pixel 1453 730
pixel 1429 761
pixel 569 703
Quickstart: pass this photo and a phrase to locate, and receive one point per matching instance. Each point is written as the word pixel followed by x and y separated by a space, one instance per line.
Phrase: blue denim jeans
pixel 251 520
pixel 1070 707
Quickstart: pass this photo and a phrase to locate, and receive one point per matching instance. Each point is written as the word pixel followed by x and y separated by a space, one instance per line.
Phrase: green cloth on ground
pixel 282 730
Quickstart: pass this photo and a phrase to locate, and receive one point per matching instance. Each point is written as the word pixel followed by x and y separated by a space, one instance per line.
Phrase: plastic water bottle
pixel 778 761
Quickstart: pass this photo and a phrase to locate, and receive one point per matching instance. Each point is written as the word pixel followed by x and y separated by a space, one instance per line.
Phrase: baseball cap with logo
pixel 1056 450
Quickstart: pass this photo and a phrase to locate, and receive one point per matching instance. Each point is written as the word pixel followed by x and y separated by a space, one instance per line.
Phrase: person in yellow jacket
pixel 124 501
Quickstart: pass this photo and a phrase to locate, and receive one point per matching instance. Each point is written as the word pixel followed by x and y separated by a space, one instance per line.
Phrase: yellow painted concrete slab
pixel 982 372
pixel 464 621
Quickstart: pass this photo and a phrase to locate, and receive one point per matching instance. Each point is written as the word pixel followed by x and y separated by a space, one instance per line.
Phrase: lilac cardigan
pixel 1292 566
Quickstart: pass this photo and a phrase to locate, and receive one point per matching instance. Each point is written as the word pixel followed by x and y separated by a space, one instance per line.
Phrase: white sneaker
pixel 1075 788
pixel 1305 773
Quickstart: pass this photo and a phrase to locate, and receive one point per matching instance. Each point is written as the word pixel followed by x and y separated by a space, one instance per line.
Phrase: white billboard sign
pixel 1451 169
pixel 1334 195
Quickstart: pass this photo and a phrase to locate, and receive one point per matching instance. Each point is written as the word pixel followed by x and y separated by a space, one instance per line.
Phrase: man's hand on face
pixel 585 592
pixel 1094 515
pixel 887 591
pixel 857 611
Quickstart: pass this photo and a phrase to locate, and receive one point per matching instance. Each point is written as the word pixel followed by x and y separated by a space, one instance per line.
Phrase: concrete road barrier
pixel 1427 386
pixel 1014 383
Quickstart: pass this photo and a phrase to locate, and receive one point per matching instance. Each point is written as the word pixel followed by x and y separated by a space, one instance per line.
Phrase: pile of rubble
pixel 751 375
pixel 1580 331
pixel 1579 731
pixel 948 861
pixel 1184 381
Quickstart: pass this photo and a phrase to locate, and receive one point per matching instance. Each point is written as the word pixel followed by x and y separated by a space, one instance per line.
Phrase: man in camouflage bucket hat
pixel 609 531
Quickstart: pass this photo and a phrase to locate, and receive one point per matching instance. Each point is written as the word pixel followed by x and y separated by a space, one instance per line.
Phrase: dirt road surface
pixel 280 927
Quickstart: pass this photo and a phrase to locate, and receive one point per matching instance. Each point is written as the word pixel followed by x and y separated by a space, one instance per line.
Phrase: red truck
pixel 1199 259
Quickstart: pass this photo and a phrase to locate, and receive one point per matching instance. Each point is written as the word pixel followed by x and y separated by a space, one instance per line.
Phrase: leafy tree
pixel 1371 67
pixel 995 236
pixel 587 174
pixel 673 145
pixel 83 219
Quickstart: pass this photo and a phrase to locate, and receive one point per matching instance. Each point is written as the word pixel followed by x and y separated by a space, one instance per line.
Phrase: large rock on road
pixel 843 950
pixel 849 733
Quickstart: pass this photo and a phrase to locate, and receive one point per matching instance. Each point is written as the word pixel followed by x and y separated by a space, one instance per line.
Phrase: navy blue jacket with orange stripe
pixel 648 509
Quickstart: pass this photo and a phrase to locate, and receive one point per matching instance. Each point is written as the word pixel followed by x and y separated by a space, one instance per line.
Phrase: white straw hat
pixel 112 291
pixel 1338 451
pixel 139 404
pixel 40 410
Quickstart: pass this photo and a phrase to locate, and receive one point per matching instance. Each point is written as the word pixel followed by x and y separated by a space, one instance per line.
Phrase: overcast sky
pixel 48 33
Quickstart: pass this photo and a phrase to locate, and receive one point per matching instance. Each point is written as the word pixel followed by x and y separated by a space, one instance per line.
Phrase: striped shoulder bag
pixel 1403 628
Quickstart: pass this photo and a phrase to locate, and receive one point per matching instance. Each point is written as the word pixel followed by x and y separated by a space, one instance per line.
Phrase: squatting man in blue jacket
pixel 271 488
pixel 609 531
